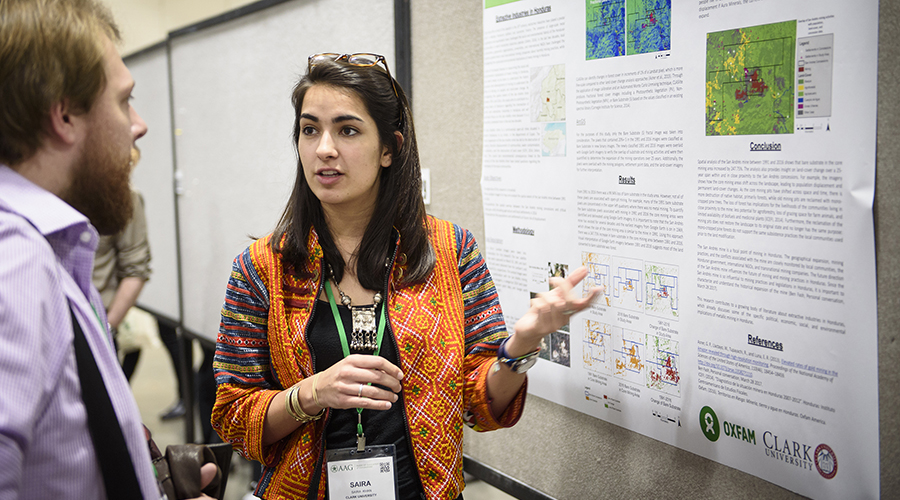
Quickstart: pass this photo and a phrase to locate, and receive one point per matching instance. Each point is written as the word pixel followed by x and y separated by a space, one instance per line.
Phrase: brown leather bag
pixel 178 471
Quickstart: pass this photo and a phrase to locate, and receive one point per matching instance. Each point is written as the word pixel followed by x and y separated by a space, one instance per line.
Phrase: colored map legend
pixel 815 57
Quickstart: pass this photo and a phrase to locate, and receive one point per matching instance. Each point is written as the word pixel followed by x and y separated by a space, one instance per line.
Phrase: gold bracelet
pixel 295 410
pixel 287 402
pixel 315 392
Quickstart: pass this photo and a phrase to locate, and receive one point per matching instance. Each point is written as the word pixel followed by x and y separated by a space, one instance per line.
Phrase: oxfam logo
pixel 709 423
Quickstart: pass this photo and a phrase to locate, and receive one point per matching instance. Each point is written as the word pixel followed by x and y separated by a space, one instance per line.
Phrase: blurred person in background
pixel 121 267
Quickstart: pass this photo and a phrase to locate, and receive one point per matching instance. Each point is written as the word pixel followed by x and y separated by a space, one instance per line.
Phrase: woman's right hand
pixel 344 385
pixel 352 383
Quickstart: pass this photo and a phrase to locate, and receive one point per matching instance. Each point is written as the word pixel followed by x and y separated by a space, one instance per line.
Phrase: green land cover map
pixel 750 80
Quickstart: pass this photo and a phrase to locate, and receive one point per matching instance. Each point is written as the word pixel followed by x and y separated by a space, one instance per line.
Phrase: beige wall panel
pixel 148 22
pixel 887 244
pixel 140 22
pixel 179 13
pixel 447 89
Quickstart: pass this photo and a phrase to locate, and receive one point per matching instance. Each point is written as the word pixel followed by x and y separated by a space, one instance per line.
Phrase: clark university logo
pixel 709 423
pixel 826 461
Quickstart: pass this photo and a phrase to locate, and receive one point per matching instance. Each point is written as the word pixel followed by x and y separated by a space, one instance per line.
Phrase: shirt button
pixel 86 237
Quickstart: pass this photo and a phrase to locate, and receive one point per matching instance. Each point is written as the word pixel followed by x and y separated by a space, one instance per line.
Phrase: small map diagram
pixel 598 273
pixel 627 280
pixel 596 347
pixel 649 26
pixel 750 80
pixel 548 93
pixel 553 139
pixel 605 29
pixel 663 363
pixel 662 290
pixel 628 355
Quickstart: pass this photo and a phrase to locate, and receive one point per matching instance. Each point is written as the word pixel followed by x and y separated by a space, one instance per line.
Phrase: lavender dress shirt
pixel 46 259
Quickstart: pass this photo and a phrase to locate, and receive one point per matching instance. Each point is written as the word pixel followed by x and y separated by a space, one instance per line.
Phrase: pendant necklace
pixel 363 336
pixel 366 336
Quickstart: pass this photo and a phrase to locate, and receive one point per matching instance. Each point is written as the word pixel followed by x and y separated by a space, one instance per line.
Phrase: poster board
pixel 713 165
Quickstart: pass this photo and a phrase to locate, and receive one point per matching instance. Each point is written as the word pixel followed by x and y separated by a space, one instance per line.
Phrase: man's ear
pixel 63 124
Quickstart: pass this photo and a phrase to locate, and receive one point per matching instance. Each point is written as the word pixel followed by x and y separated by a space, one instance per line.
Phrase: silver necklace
pixel 362 338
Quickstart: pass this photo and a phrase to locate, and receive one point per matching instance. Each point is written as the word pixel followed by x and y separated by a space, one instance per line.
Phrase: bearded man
pixel 66 132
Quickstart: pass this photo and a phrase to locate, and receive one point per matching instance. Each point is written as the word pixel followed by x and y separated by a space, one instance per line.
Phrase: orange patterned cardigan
pixel 446 329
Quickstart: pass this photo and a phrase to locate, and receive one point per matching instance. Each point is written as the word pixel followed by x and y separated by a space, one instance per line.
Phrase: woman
pixel 354 268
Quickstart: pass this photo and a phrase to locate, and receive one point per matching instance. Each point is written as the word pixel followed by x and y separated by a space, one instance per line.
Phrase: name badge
pixel 370 474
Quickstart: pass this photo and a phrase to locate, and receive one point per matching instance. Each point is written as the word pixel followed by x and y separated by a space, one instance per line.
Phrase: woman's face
pixel 340 149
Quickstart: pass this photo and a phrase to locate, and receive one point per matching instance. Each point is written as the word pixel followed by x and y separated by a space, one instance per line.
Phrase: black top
pixel 380 426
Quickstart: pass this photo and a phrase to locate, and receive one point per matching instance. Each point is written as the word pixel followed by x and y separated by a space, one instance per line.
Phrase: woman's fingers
pixel 373 363
pixel 372 370
pixel 361 381
pixel 550 310
pixel 375 394
pixel 566 291
pixel 582 303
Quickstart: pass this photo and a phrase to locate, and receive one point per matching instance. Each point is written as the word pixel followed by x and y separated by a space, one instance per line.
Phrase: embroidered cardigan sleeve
pixel 485 328
pixel 245 384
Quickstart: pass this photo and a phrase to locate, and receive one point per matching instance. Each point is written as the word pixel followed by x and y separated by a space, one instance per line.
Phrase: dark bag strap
pixel 109 443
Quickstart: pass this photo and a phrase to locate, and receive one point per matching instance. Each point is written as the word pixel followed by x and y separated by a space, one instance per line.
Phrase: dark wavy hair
pixel 399 205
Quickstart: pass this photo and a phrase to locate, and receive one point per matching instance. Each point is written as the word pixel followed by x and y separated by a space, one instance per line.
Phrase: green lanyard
pixel 102 326
pixel 360 436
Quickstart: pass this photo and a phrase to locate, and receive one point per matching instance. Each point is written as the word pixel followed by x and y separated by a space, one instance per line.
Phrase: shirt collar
pixel 43 209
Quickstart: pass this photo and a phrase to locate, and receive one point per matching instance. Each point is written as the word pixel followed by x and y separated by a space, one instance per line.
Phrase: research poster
pixel 712 164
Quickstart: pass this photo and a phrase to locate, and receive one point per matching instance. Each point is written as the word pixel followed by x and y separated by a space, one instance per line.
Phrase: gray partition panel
pixel 233 118
pixel 153 178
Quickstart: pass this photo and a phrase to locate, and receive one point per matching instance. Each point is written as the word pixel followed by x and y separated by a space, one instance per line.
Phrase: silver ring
pixel 569 312
pixel 359 393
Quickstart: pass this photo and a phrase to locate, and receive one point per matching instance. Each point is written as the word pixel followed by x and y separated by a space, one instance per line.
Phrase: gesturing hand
pixel 551 310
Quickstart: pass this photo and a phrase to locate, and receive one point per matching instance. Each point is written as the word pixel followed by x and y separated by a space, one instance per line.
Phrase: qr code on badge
pixel 385 467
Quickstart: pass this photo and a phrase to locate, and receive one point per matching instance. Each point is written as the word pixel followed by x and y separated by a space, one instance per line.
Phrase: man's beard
pixel 100 185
